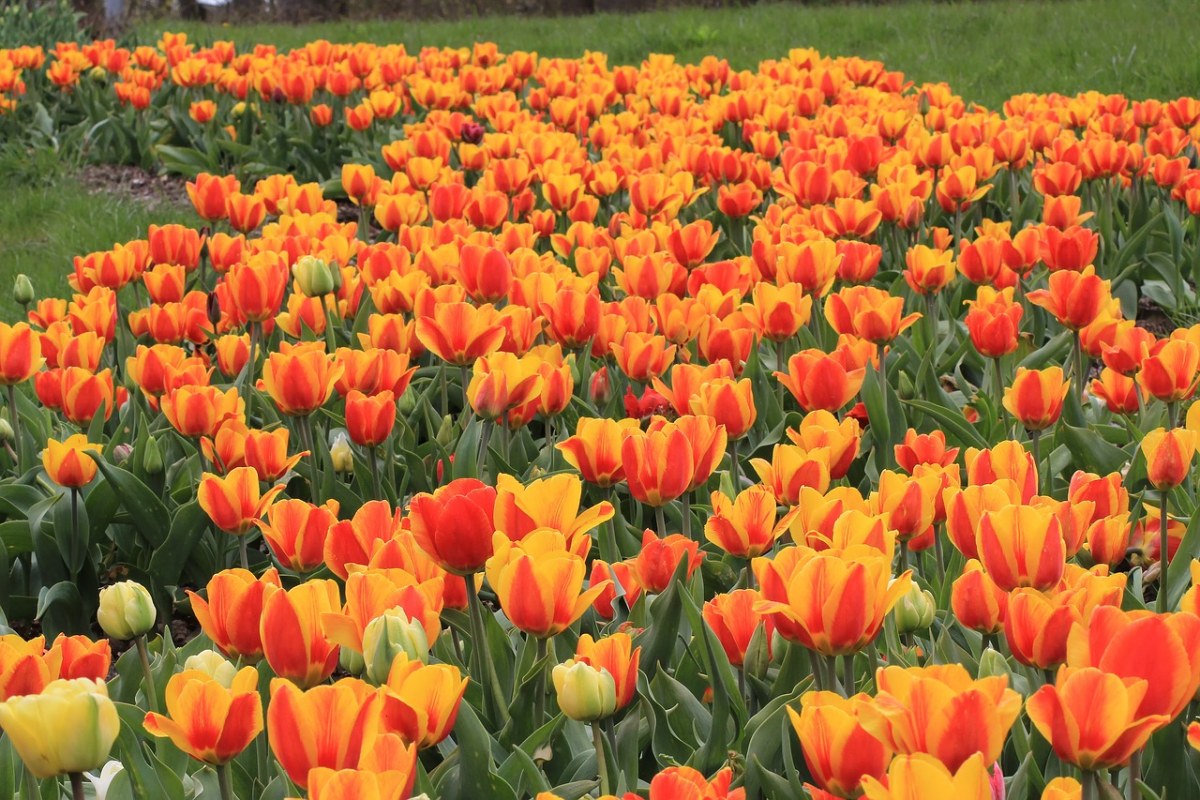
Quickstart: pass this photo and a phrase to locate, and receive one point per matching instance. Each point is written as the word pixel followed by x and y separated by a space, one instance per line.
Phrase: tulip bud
pixel 213 663
pixel 445 432
pixel 600 388
pixel 915 610
pixel 152 460
pixel 992 664
pixel 585 693
pixel 758 654
pixel 406 404
pixel 126 610
pixel 6 431
pixel 351 661
pixel 238 109
pixel 315 277
pixel 23 290
pixel 906 389
pixel 212 308
pixel 68 728
pixel 342 455
pixel 97 74
pixel 121 453
pixel 388 635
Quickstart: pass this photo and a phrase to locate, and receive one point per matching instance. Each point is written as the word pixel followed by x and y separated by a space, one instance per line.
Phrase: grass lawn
pixel 986 51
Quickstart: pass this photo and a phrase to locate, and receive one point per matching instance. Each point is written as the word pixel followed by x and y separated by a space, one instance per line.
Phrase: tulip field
pixel 506 426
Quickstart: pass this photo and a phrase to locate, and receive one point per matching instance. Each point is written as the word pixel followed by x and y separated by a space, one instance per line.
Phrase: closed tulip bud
pixel 388 635
pixel 342 455
pixel 23 290
pixel 758 652
pixel 6 431
pixel 915 610
pixel 445 431
pixel 585 693
pixel 68 728
pixel 351 661
pixel 212 663
pixel 126 610
pixel 993 665
pixel 152 460
pixel 315 277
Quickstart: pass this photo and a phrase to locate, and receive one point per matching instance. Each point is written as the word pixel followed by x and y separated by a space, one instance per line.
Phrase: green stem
pixel 1135 775
pixel 660 521
pixel 734 467
pixel 330 334
pixel 1091 786
pixel 998 380
pixel 147 673
pixel 16 427
pixel 225 781
pixel 1163 562
pixel 601 761
pixel 687 514
pixel 243 551
pixel 818 670
pixel 781 366
pixel 1079 369
pixel 75 526
pixel 376 489
pixel 1035 438
pixel 848 674
pixel 539 706
pixel 76 785
pixel 486 667
pixel 29 786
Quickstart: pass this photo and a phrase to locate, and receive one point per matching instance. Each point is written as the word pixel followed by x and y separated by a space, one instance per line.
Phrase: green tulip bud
pixel 992 664
pixel 6 430
pixel 406 404
pixel 445 432
pixel 316 278
pixel 351 661
pixel 126 610
pixel 152 460
pixel 758 653
pixel 915 610
pixel 386 637
pixel 213 663
pixel 584 693
pixel 906 389
pixel 23 290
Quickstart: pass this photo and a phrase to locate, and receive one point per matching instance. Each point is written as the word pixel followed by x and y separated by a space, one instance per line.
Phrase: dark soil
pixel 134 183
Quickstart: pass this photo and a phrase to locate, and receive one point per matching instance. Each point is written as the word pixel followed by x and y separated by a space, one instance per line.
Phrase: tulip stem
pixel 244 551
pixel 1163 561
pixel 848 674
pixel 1079 369
pixel 687 514
pixel 147 673
pixel 74 525
pixel 817 661
pixel 1135 775
pixel 1035 439
pixel 601 761
pixel 225 782
pixel 16 426
pixel 486 670
pixel 660 520
pixel 781 366
pixel 29 787
pixel 76 785
pixel 539 704
pixel 1090 784
pixel 734 467
pixel 998 374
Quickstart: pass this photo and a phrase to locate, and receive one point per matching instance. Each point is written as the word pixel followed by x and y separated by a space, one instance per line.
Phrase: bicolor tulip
pixel 1075 299
pixel 1035 398
pixel 293 638
pixel 734 618
pixel 1169 455
pixel 420 702
pixel 20 353
pixel 792 469
pixel 659 558
pixel 616 655
pixel 321 727
pixel 659 465
pixel 208 720
pixel 821 381
pixel 233 502
pixel 838 750
pixel 595 449
pixel 977 602
pixel 539 582
pixel 1022 546
pixel 300 379
pixel 296 531
pixel 460 333
pixel 921 775
pixel 67 463
pixel 231 615
pixel 746 526
pixel 454 524
pixel 869 313
pixel 370 419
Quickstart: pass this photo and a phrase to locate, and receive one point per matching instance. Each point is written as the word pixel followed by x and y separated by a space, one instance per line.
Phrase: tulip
pixel 386 637
pixel 910 502
pixel 746 526
pixel 679 782
pixel 68 464
pixel 659 465
pixel 595 449
pixel 1035 398
pixel 454 524
pixel 196 411
pixel 300 379
pixel 460 333
pixel 869 313
pixel 729 402
pixel 1075 299
pixel 735 620
pixel 209 721
pixel 233 502
pixel 80 657
pixel 832 602
pixel 1006 460
pixel 68 728
pixel 977 602
pixel 522 509
pixel 1169 370
pixel 371 593
pixel 585 693
pixel 1022 546
pixel 214 665
pixel 994 322
pixel 266 452
pixel 821 381
pixel 420 702
pixel 85 394
pixel 791 470
pixel 941 711
pixel 321 727
pixel 230 616
pixel 838 750
pixel 20 354
pixel 1092 718
pixel 126 611
pixel 26 667
pixel 659 558
pixel 361 784
pixel 1169 456
pixel 921 775
pixel 915 610
pixel 294 644
pixel 355 540
pixel 502 382
pixel 616 655
pixel 1036 625
pixel 924 448
pixel 296 531
pixel 1065 788
pixel 539 582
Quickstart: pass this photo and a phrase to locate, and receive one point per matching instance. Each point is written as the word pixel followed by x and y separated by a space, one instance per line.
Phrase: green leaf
pixel 955 424
pixel 147 511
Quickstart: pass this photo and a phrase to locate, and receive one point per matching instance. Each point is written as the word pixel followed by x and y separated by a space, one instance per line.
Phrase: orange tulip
pixel 256 287
pixel 1022 546
pixel 595 449
pixel 300 379
pixel 924 448
pixel 522 509
pixel 1092 718
pixel 822 429
pixel 1075 299
pixel 734 618
pixel 921 775
pixel 207 720
pixel 643 356
pixel 296 532
pixel 502 382
pixel 745 526
pixel 707 439
pixel 821 381
pixel 658 465
pixel 85 394
pixel 868 313
pixel 539 582
pixel 322 727
pixel 928 270
pixel 266 452
pixel 977 602
pixel 729 402
pixel 1118 392
pixel 356 540
pixel 370 419
pixel 792 468
pixel 658 560
pixel 67 463
pixel 994 322
pixel 460 333
pixel 1036 397
pixel 362 784
pixel 80 657
pixel 779 312
pixel 941 711
pixel 616 654
pixel 910 502
pixel 454 524
pixel 686 380
pixel 230 616
pixel 1008 460
pixel 294 643
pixel 20 353
pixel 420 702
pixel 838 750
pixel 1036 625
pixel 25 667
pixel 832 602
pixel 201 410
pixel 1169 455
pixel 233 502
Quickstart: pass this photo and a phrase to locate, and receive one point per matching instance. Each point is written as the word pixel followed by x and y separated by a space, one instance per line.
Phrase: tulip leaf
pixel 16 537
pixel 187 526
pixel 1052 351
pixel 146 510
pixel 658 639
pixel 148 781
pixel 957 428
pixel 763 740
pixel 476 776
pixel 16 499
pixel 520 761
pixel 573 790
pixel 1091 451
pixel 727 698
pixel 1177 573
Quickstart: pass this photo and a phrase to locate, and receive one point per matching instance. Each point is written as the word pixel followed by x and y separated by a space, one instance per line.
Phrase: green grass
pixel 987 51
pixel 48 217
